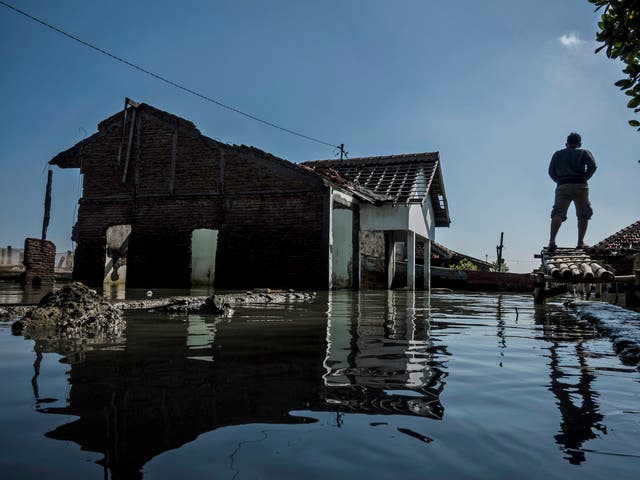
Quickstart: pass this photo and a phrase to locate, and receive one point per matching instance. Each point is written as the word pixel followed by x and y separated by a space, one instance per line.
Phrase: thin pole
pixel 499 251
pixel 47 206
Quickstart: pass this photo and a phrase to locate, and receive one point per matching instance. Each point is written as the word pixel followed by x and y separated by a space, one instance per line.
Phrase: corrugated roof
pixel 405 178
pixel 626 239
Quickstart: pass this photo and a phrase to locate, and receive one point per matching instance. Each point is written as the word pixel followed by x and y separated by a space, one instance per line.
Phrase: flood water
pixel 356 385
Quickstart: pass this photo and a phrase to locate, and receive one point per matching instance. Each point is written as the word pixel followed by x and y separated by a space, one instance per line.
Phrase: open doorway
pixel 115 263
pixel 204 245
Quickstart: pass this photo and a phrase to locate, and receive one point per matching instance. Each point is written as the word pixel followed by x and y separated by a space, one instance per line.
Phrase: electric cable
pixel 165 80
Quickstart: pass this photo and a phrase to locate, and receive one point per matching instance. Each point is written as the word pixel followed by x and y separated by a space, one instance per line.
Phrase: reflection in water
pixel 386 356
pixel 380 356
pixel 171 380
pixel 572 385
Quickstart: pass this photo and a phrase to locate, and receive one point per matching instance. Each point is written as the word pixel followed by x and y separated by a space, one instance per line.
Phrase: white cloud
pixel 570 40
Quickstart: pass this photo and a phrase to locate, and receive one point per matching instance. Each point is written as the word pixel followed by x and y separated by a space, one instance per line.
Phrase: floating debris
pixel 419 436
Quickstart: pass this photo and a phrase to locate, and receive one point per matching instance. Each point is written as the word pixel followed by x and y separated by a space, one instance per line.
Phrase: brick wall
pixel 39 261
pixel 268 212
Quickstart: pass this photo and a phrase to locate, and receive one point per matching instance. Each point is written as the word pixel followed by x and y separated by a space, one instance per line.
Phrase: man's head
pixel 574 140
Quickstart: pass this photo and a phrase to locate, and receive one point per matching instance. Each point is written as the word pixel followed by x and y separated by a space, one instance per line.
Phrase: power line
pixel 163 79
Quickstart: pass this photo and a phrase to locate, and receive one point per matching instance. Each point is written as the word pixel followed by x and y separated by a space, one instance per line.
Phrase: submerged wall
pixel 268 214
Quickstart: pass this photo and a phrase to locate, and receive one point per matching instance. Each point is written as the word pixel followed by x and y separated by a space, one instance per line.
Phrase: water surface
pixel 356 385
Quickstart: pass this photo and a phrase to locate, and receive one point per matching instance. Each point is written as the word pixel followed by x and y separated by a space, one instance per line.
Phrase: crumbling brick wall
pixel 39 261
pixel 269 214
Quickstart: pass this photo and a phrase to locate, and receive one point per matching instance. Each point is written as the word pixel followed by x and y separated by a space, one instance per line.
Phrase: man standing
pixel 570 168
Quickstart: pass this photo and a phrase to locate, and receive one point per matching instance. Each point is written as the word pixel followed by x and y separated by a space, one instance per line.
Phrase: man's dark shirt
pixel 572 165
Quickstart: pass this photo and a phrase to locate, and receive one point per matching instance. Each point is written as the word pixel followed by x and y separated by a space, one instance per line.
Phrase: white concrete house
pixel 365 237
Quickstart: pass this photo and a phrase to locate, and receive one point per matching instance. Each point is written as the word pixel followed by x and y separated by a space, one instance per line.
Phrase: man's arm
pixel 590 164
pixel 552 169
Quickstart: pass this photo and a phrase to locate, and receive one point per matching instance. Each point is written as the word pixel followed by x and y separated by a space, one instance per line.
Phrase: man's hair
pixel 574 139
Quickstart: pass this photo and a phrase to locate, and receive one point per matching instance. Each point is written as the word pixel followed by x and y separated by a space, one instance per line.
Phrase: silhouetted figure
pixel 571 168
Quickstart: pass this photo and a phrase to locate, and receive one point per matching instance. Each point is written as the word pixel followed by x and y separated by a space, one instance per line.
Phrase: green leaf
pixel 624 83
pixel 634 123
pixel 634 102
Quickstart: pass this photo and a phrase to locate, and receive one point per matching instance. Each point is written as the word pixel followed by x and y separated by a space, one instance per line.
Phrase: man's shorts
pixel 578 193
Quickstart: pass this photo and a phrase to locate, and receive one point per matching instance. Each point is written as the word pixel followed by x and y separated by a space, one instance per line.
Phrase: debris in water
pixel 72 311
pixel 419 436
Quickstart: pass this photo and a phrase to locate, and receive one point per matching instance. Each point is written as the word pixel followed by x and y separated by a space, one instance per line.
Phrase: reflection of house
pixel 168 382
pixel 618 249
pixel 164 205
pixel 381 358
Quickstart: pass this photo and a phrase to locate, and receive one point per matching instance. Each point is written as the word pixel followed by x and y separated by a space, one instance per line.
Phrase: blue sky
pixel 494 86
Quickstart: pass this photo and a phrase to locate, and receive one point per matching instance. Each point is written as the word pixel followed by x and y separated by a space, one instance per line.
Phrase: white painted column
pixel 427 265
pixel 391 259
pixel 411 260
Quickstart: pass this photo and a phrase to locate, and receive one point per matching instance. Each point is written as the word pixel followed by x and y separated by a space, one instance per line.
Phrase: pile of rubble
pixel 72 311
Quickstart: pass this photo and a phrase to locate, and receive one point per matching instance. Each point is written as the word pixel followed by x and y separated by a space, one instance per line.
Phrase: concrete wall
pixel 11 256
pixel 414 216
pixel 385 217
pixel 269 215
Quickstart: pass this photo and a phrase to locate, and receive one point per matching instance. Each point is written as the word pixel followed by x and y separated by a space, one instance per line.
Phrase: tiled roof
pixel 399 178
pixel 627 238
pixel 449 254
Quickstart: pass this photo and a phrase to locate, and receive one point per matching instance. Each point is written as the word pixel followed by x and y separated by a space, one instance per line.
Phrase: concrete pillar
pixel 2 256
pixel 411 260
pixel 426 271
pixel 391 258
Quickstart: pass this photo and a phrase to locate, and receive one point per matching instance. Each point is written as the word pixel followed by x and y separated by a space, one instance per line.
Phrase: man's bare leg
pixel 582 230
pixel 555 226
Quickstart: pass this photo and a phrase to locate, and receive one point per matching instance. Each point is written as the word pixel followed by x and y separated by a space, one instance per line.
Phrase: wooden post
pixel 47 206
pixel 539 289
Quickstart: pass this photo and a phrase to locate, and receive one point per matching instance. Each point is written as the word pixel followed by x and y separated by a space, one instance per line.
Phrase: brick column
pixel 39 260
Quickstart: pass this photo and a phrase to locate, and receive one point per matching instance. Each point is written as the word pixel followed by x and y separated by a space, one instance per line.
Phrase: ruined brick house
pixel 165 206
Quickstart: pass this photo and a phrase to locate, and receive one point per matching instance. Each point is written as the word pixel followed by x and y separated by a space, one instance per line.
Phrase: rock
pixel 74 310
pixel 212 305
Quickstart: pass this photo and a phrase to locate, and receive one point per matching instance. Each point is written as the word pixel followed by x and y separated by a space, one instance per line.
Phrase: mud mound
pixel 72 311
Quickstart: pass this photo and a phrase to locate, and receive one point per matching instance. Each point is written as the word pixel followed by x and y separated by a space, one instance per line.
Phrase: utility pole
pixel 499 251
pixel 343 152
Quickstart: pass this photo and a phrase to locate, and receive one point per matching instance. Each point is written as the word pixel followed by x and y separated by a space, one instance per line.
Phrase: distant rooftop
pixel 627 238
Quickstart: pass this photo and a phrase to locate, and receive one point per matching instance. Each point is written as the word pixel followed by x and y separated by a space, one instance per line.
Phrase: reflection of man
pixel 570 168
